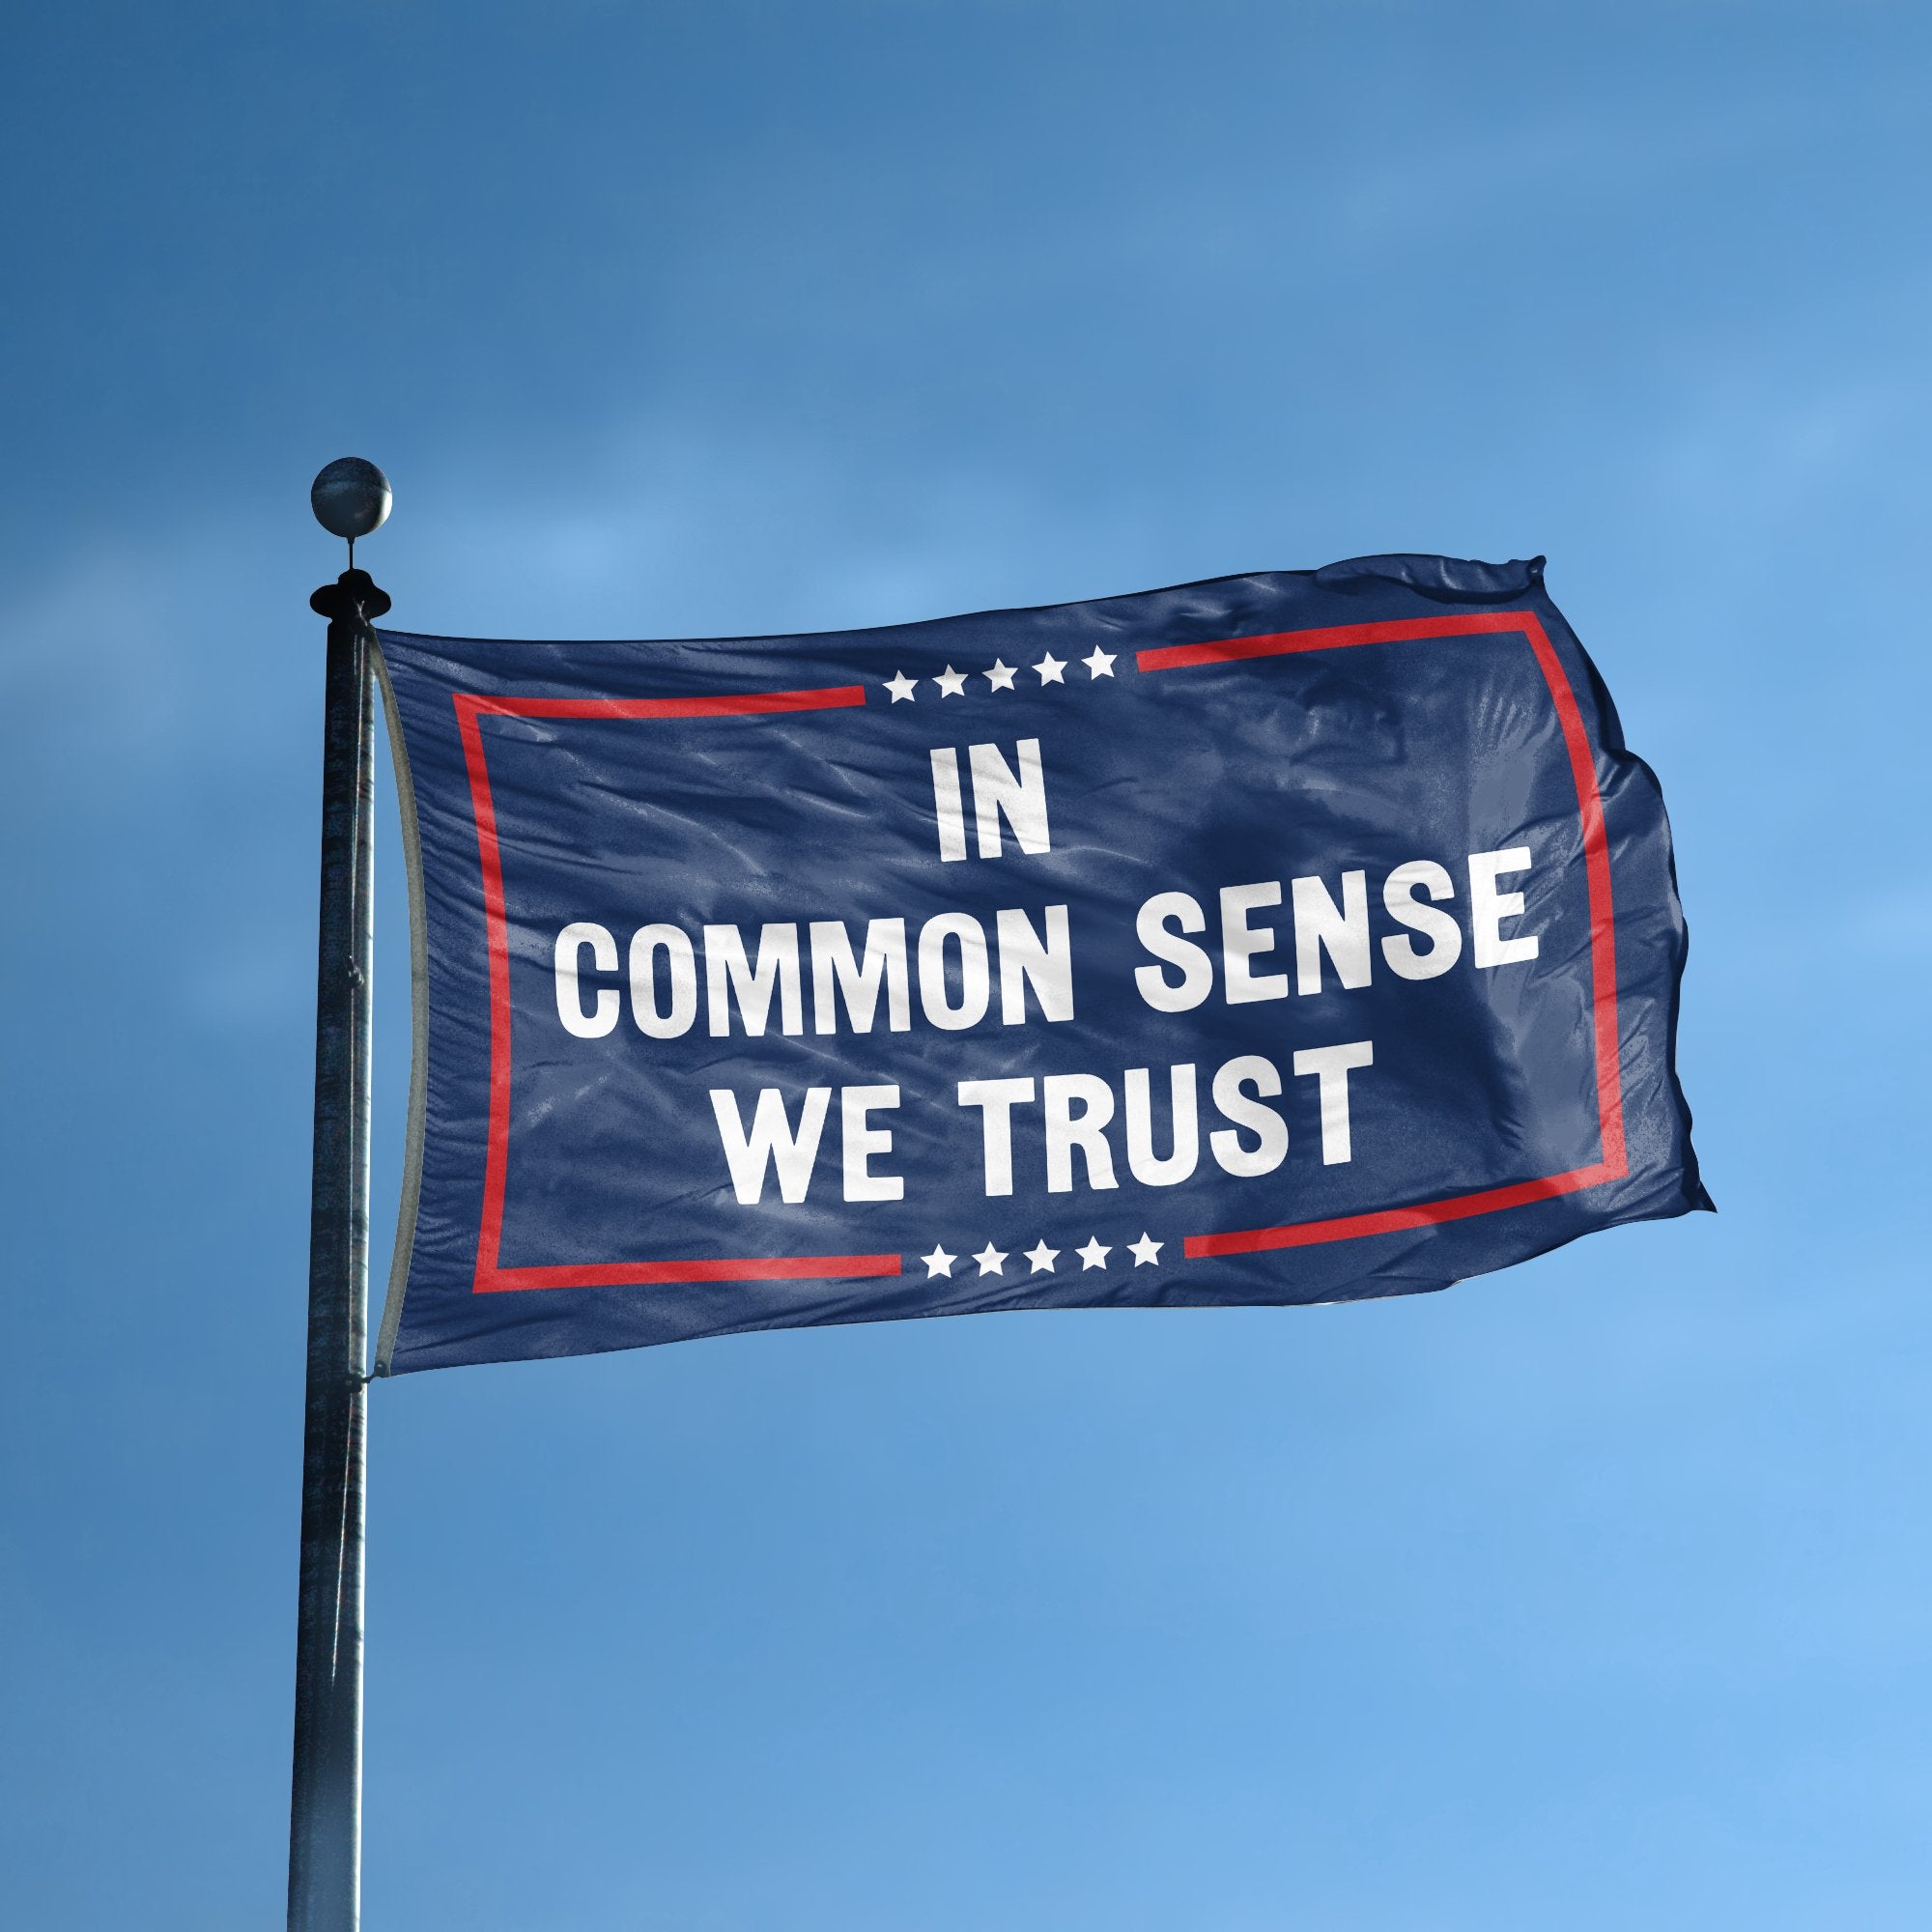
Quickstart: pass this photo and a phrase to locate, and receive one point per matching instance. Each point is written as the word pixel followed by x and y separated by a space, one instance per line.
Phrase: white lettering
pixel 996 1100
pixel 834 971
pixel 771 1142
pixel 1489 908
pixel 1066 1130
pixel 1185 1152
pixel 975 986
pixel 1027 960
pixel 1332 1065
pixel 602 1017
pixel 1240 943
pixel 1343 930
pixel 946 806
pixel 858 1141
pixel 996 791
pixel 645 943
pixel 1270 1130
pixel 1197 969
pixel 1444 935
pixel 727 972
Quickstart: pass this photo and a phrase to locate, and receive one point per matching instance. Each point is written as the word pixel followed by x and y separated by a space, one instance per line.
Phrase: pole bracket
pixel 354 598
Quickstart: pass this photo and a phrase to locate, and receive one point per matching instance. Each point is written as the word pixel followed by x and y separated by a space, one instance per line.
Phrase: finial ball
pixel 350 496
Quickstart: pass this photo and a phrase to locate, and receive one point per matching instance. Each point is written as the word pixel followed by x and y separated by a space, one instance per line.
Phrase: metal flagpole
pixel 350 498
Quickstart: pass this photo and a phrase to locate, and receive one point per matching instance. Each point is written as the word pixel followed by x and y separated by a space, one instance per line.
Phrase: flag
pixel 1298 937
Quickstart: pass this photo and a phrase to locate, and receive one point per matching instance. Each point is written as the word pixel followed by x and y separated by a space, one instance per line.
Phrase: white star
pixel 1145 1250
pixel 1001 676
pixel 991 1260
pixel 1093 1255
pixel 1101 664
pixel 900 686
pixel 1049 669
pixel 951 683
pixel 1043 1258
pixel 938 1262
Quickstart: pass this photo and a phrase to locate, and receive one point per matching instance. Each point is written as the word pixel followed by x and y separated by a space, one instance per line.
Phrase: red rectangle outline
pixel 491 1278
pixel 1615 1163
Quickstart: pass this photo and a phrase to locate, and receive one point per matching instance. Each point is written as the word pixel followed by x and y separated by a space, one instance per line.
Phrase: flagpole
pixel 350 498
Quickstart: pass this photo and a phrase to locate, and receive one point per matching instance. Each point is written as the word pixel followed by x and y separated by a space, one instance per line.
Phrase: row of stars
pixel 1146 1253
pixel 951 683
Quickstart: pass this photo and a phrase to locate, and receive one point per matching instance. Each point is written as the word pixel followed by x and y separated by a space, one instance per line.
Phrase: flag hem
pixel 413 1135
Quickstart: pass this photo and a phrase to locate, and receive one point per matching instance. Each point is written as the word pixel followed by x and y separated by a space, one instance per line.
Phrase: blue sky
pixel 1591 1595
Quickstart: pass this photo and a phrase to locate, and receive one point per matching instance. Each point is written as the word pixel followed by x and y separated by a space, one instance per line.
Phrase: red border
pixel 1615 1163
pixel 490 1277
pixel 470 706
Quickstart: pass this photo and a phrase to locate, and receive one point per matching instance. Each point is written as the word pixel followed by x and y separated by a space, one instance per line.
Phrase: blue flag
pixel 1298 937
